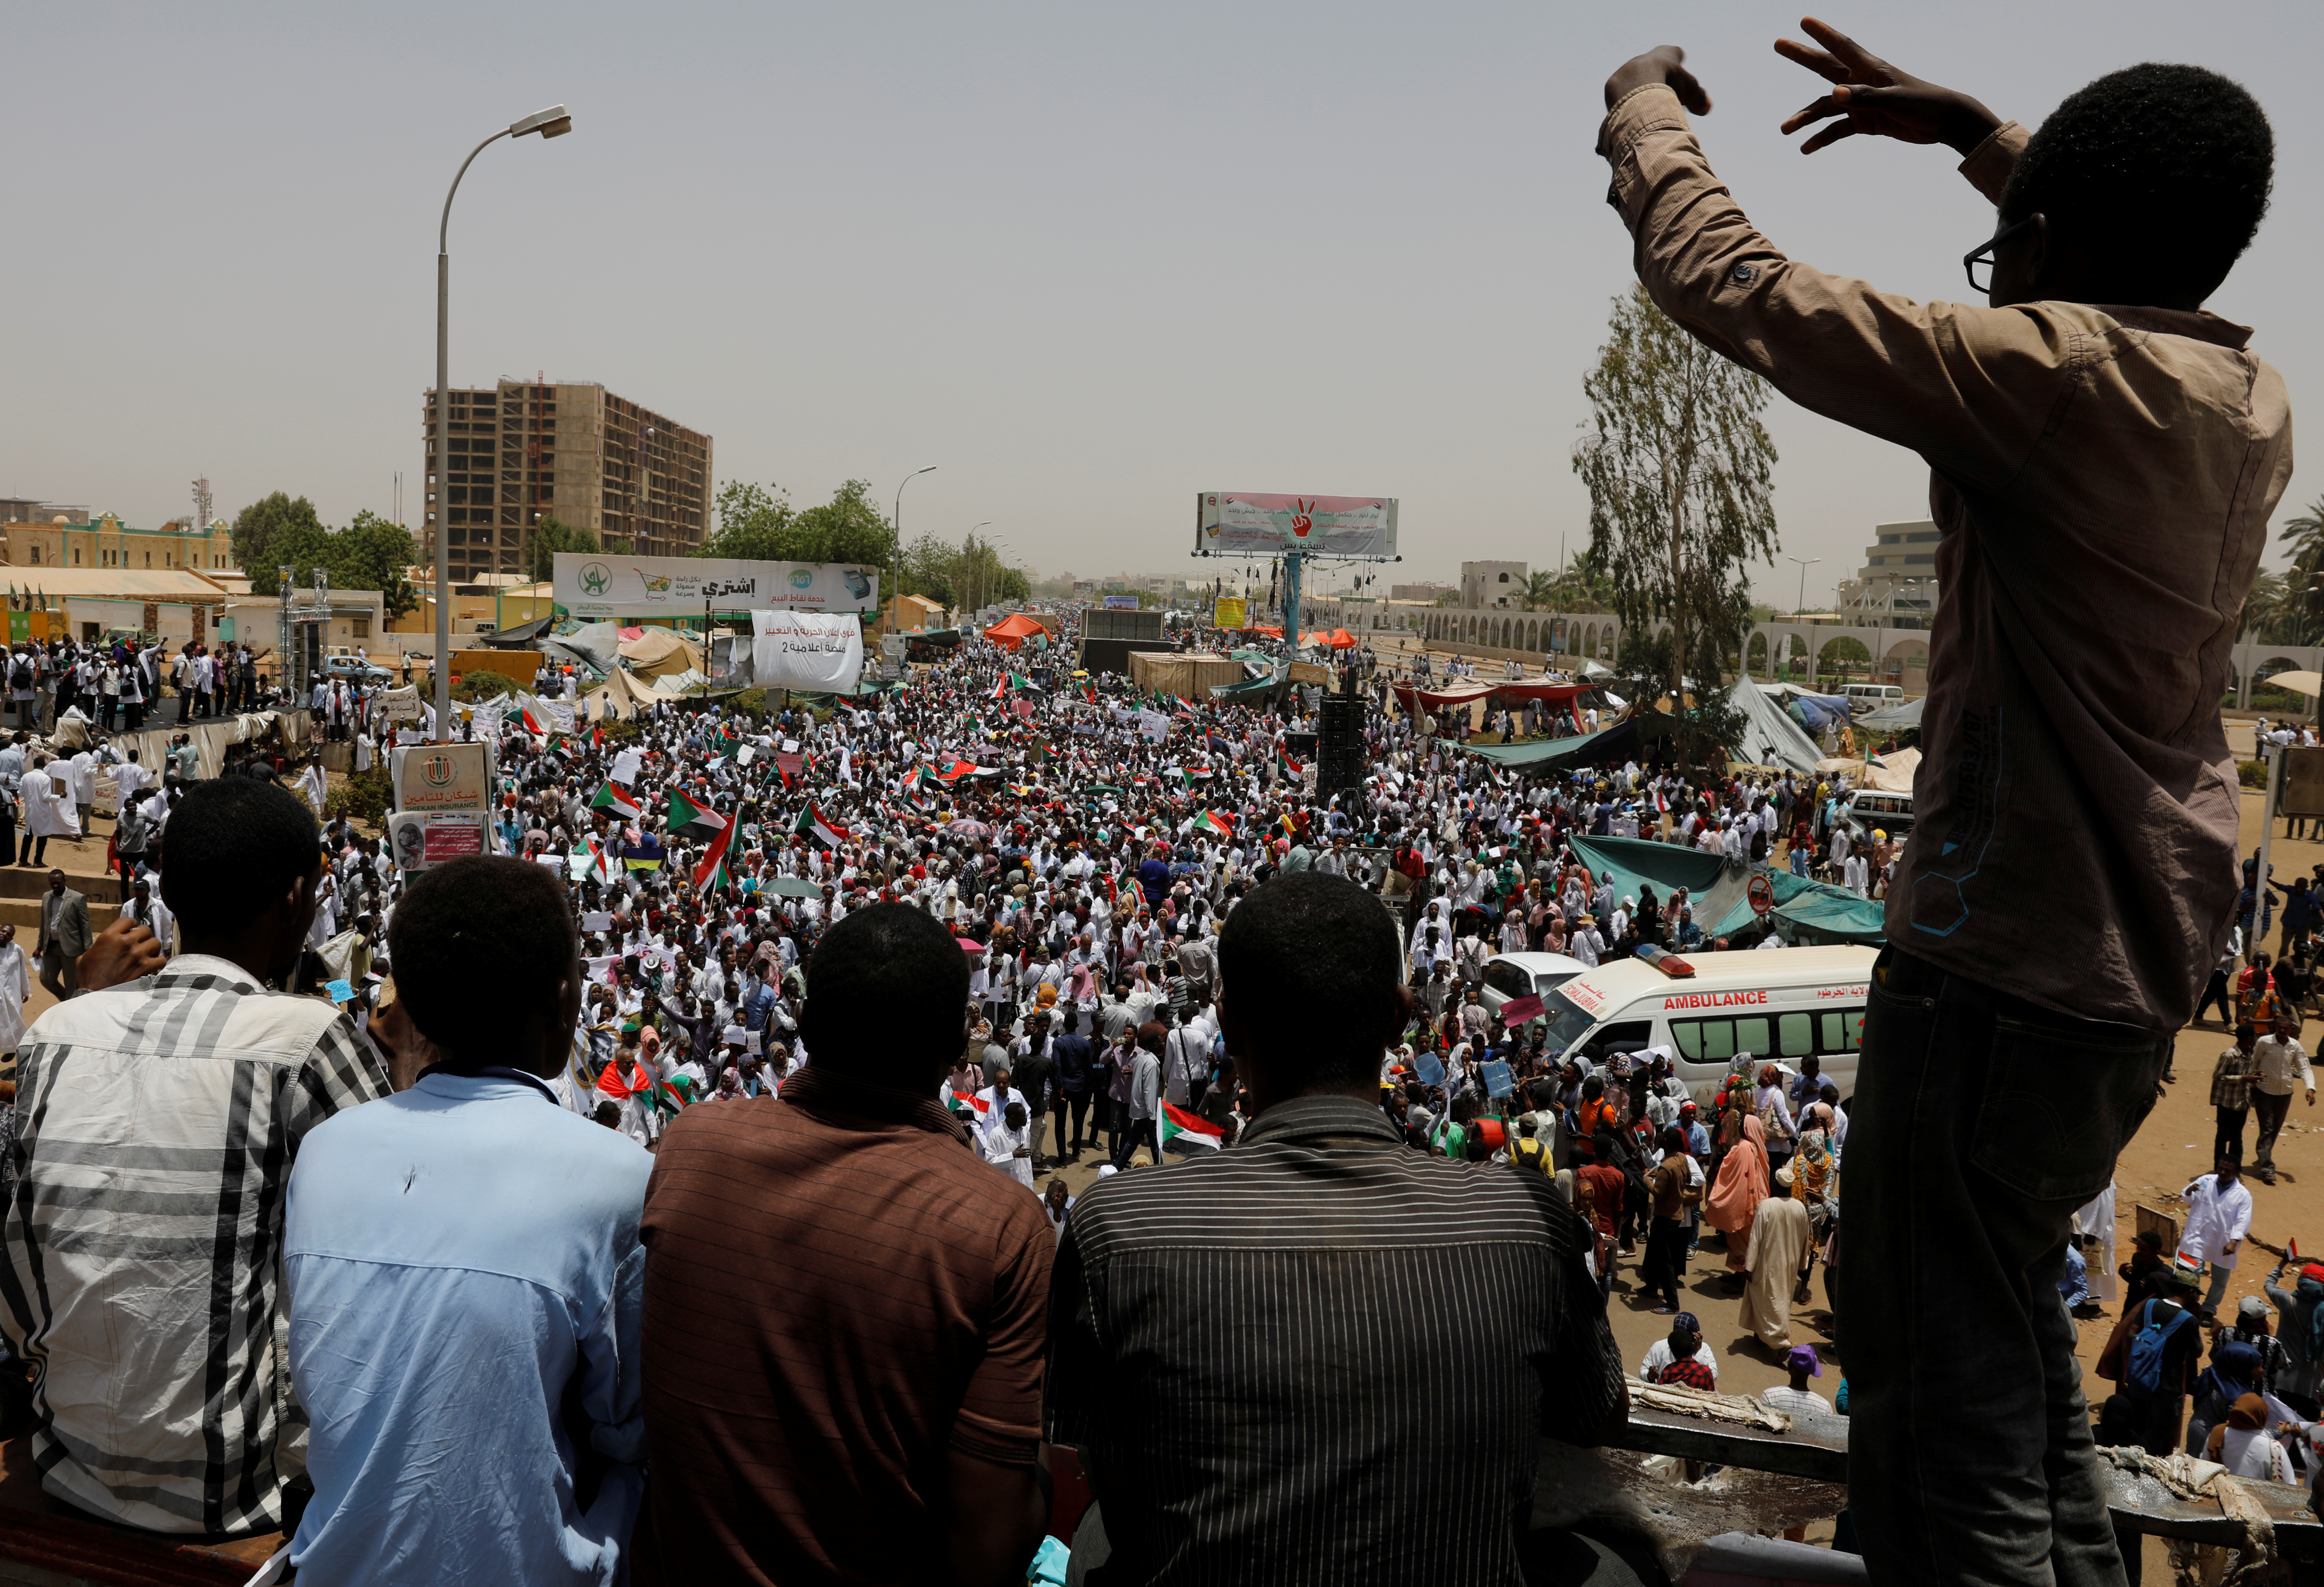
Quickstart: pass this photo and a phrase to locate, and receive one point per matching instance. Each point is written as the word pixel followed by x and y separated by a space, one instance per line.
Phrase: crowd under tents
pixel 1608 746
pixel 1718 891
pixel 1468 691
pixel 1889 773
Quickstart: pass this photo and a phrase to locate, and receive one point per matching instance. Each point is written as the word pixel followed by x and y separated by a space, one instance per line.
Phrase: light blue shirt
pixel 457 1256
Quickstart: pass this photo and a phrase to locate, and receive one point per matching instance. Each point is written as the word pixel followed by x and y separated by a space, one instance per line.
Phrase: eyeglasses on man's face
pixel 1978 261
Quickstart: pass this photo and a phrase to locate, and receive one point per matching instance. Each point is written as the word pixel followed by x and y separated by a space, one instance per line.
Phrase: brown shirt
pixel 2102 479
pixel 1668 1184
pixel 839 1293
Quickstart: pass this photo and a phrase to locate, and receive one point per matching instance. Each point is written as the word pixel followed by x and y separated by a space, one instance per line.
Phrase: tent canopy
pixel 1718 891
pixel 1608 746
pixel 1770 737
pixel 1013 630
pixel 659 651
pixel 1908 714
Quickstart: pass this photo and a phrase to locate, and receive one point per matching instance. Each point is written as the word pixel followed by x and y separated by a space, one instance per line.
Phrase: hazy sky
pixel 1087 260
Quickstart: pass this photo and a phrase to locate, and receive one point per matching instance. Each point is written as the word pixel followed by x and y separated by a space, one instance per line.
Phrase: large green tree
pixel 758 523
pixel 1681 478
pixel 551 535
pixel 258 528
pixel 371 553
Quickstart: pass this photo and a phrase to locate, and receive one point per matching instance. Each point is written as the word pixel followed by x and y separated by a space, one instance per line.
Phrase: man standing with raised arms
pixel 2104 458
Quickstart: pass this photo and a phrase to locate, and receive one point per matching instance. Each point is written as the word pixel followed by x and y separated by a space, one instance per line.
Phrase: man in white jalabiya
pixel 15 988
pixel 312 784
pixel 2219 1217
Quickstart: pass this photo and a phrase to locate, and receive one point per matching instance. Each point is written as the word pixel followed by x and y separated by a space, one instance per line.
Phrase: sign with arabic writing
pixel 598 586
pixel 815 651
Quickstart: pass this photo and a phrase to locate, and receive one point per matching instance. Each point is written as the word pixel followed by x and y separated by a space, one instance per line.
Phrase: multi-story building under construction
pixel 512 454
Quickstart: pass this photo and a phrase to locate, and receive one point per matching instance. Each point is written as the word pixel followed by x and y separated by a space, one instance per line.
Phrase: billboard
pixel 1229 613
pixel 597 587
pixel 1249 522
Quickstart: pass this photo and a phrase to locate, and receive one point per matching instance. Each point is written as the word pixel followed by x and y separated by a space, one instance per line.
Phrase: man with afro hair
pixel 2104 456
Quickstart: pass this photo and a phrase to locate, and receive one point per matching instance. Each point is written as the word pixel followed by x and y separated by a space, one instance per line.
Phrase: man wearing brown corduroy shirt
pixel 845 1309
pixel 2103 456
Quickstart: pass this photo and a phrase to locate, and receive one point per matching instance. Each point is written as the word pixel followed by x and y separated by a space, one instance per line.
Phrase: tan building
pixel 45 535
pixel 519 452
pixel 1492 583
pixel 1899 575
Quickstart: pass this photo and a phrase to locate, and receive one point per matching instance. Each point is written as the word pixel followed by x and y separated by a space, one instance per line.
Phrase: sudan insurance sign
pixel 1251 523
pixel 595 586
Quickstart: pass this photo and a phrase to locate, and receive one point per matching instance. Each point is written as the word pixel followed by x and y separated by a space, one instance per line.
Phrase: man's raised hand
pixel 1879 98
pixel 1660 65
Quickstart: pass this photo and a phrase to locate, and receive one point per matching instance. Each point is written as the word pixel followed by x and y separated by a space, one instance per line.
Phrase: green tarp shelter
pixel 1718 891
pixel 1608 746
pixel 1248 688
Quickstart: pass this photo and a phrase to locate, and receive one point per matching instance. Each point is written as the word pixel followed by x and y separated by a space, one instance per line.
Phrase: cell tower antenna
pixel 202 502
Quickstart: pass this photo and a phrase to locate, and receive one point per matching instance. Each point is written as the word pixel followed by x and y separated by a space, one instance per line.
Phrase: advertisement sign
pixel 1229 613
pixel 1250 522
pixel 1121 603
pixel 421 841
pixel 600 586
pixel 434 779
pixel 805 649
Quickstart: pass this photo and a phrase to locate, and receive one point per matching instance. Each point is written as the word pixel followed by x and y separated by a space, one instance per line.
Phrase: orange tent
pixel 1013 630
pixel 1342 639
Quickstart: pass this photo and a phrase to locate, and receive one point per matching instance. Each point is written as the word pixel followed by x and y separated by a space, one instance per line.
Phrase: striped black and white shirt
pixel 157 1123
pixel 1322 1358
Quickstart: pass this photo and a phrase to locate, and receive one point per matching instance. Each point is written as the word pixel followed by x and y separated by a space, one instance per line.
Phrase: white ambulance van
pixel 1779 1004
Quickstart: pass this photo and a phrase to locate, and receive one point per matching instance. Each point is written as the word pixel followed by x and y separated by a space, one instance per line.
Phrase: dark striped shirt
pixel 1322 1358
pixel 157 1123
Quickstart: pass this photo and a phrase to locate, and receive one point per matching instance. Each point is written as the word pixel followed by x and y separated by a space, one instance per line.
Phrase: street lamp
pixel 551 122
pixel 1804 565
pixel 896 574
pixel 967 545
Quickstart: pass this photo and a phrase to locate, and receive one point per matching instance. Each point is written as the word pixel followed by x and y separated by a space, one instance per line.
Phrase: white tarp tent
pixel 1770 736
pixel 1907 714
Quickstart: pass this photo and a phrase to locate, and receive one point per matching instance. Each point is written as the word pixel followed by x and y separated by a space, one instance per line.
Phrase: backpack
pixel 20 674
pixel 1529 1153
pixel 2144 1372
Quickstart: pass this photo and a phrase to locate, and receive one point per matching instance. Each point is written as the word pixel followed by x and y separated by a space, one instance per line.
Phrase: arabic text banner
pixel 596 586
pixel 814 650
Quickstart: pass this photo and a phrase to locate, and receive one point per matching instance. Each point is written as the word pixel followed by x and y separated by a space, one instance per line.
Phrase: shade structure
pixel 1908 714
pixel 1340 638
pixel 1608 746
pixel 2299 683
pixel 1718 891
pixel 1013 630
pixel 1770 737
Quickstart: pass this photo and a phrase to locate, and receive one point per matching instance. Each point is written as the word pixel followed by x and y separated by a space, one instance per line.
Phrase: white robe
pixel 2096 1221
pixel 2213 1219
pixel 48 813
pixel 16 986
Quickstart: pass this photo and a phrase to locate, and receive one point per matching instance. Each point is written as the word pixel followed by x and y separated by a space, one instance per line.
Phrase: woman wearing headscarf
pixel 2233 1373
pixel 1740 1187
pixel 2243 1446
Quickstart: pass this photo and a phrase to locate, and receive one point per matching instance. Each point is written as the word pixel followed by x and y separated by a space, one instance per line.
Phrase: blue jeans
pixel 1980 1123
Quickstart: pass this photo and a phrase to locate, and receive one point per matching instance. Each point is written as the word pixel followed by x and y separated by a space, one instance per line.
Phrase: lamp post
pixel 551 122
pixel 967 543
pixel 896 573
pixel 1806 564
